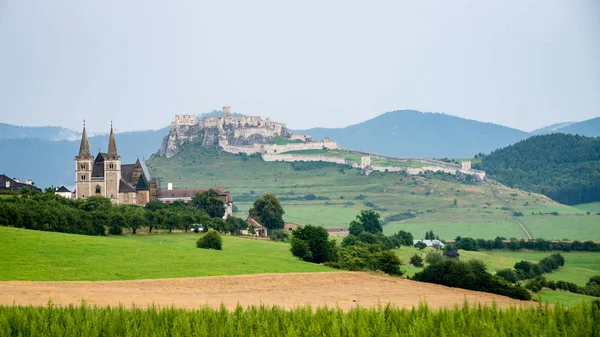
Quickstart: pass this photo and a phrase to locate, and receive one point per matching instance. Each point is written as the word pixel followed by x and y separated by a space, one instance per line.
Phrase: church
pixel 105 176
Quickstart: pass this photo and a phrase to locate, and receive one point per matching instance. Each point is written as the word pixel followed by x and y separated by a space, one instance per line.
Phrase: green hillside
pixel 331 195
pixel 45 256
pixel 564 167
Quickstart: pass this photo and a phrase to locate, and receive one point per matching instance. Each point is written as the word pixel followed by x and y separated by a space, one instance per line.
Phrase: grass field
pixel 480 210
pixel 593 207
pixel 563 297
pixel 564 226
pixel 578 268
pixel 46 256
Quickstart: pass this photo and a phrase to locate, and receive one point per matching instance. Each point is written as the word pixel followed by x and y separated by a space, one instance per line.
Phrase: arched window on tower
pixel 110 166
pixel 97 189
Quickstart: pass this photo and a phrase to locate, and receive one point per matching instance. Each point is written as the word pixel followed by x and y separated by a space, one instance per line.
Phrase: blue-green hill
pixel 409 133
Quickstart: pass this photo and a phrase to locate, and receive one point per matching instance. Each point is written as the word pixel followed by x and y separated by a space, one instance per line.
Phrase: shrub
pixel 434 257
pixel 467 244
pixel 536 284
pixel 300 249
pixel 508 275
pixel 210 240
pixel 389 263
pixel 416 260
pixel 279 235
pixel 115 230
pixel 349 240
pixel 368 238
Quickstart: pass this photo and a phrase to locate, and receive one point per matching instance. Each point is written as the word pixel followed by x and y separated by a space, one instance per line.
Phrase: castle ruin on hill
pixel 274 142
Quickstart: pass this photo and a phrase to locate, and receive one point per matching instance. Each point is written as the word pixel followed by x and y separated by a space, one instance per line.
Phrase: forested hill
pixel 564 167
pixel 409 133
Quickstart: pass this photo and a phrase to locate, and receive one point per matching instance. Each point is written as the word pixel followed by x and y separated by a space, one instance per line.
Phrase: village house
pixel 431 243
pixel 185 195
pixel 14 184
pixel 288 226
pixel 343 232
pixel 260 230
pixel 64 192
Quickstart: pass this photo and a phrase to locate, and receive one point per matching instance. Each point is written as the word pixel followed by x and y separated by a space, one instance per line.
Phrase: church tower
pixel 83 168
pixel 112 169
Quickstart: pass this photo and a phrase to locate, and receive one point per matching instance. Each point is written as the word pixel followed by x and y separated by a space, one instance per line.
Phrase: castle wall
pixel 267 133
pixel 300 157
pixel 303 138
pixel 185 120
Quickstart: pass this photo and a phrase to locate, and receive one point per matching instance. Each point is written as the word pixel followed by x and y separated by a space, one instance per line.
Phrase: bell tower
pixel 112 169
pixel 83 168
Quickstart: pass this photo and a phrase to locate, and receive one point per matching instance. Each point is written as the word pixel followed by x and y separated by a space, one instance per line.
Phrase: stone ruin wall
pixel 270 157
pixel 303 138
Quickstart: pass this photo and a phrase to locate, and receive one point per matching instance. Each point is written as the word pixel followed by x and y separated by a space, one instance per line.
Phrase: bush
pixel 434 257
pixel 471 275
pixel 368 238
pixel 467 244
pixel 536 284
pixel 300 249
pixel 389 263
pixel 416 260
pixel 349 240
pixel 279 235
pixel 210 240
pixel 115 230
pixel 508 275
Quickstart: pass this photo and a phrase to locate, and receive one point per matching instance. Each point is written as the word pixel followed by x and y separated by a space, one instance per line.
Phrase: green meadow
pixel 46 256
pixel 593 207
pixel 578 268
pixel 437 202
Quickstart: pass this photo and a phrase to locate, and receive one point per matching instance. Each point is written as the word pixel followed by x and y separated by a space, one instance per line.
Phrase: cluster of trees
pixel 536 245
pixel 564 167
pixel 96 215
pixel 469 275
pixel 591 288
pixel 365 248
pixel 524 270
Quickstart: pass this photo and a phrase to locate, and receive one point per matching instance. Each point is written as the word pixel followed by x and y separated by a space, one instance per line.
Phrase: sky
pixel 523 64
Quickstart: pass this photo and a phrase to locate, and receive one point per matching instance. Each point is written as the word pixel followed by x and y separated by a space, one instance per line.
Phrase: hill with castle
pixel 273 141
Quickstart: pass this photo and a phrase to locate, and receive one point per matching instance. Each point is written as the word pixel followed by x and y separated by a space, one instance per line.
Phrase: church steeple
pixel 112 145
pixel 84 147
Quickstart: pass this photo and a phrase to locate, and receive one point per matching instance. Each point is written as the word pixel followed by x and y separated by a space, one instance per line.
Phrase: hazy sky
pixel 523 64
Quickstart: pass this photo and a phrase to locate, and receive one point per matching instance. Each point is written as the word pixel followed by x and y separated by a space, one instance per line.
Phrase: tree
pixel 416 260
pixel 370 221
pixel 317 239
pixel 268 211
pixel 406 238
pixel 355 228
pixel 468 244
pixel 210 202
pixel 421 245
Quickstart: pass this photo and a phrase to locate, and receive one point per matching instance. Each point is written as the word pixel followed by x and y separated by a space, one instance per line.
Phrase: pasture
pixel 437 202
pixel 593 207
pixel 46 256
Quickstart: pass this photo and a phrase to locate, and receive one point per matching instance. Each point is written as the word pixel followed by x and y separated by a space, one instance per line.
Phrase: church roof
pixel 125 187
pixel 98 167
pixel 142 184
pixel 145 169
pixel 112 145
pixel 84 147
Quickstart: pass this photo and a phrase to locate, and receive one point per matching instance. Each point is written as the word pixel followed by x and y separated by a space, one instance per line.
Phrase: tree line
pixel 564 167
pixel 96 215
pixel 500 243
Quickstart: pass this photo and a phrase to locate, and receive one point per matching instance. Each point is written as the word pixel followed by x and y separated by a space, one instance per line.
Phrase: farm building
pixel 8 184
pixel 338 232
pixel 185 195
pixel 288 226
pixel 431 243
pixel 261 231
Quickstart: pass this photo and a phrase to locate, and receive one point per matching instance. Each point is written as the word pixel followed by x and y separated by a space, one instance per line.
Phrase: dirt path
pixel 288 290
pixel 509 214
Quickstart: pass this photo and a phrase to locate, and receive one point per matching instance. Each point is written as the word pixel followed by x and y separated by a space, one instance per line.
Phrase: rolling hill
pixel 52 133
pixel 564 167
pixel 332 195
pixel 409 133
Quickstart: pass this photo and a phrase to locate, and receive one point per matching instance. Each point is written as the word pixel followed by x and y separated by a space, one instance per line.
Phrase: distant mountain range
pixel 45 154
pixel 49 162
pixel 409 133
